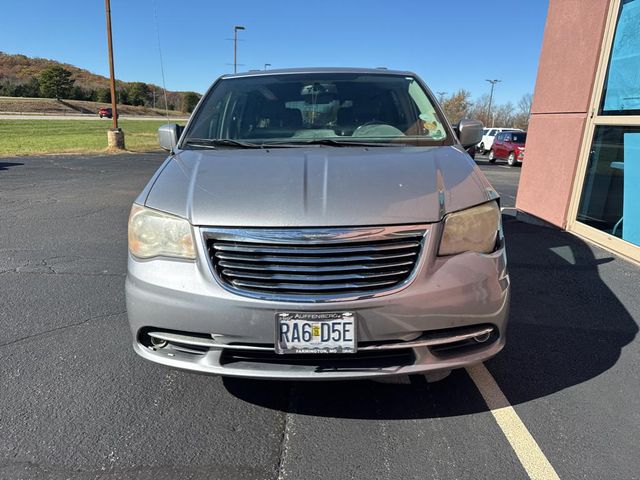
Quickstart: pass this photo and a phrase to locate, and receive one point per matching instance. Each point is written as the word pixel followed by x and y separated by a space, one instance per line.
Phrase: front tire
pixel 511 160
pixel 492 157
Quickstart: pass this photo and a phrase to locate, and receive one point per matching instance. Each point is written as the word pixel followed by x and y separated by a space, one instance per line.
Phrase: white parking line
pixel 524 445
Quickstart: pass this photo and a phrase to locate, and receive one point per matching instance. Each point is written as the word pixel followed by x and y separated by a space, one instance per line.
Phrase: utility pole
pixel 235 47
pixel 266 65
pixel 493 84
pixel 115 136
pixel 441 96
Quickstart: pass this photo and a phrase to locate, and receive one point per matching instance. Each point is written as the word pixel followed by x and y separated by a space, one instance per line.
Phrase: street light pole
pixel 235 47
pixel 493 84
pixel 115 137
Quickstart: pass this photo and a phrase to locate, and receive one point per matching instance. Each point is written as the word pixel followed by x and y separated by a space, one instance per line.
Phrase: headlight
pixel 153 233
pixel 471 230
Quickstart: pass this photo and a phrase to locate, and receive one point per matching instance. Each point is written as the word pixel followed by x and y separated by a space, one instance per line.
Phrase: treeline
pixel 460 105
pixel 57 82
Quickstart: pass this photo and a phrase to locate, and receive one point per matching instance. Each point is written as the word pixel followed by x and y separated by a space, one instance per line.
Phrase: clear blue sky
pixel 451 44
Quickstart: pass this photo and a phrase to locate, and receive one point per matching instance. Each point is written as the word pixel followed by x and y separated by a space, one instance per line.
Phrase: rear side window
pixel 519 137
pixel 492 133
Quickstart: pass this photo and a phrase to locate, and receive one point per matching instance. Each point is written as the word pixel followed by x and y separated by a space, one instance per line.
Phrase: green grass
pixel 28 137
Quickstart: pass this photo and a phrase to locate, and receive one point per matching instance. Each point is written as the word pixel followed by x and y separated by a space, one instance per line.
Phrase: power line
pixel 164 85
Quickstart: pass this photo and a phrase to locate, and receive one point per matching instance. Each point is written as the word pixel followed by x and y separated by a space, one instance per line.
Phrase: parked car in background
pixel 318 224
pixel 488 136
pixel 508 146
pixel 106 112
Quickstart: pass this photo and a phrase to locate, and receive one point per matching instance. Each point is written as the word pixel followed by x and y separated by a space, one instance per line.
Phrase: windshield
pixel 312 107
pixel 519 137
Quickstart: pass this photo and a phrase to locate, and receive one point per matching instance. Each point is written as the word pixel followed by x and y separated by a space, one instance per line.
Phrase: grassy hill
pixel 23 68
pixel 20 69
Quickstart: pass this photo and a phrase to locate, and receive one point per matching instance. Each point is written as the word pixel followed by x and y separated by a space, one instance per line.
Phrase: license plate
pixel 333 332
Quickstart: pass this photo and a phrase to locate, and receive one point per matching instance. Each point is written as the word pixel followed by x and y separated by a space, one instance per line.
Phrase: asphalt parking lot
pixel 77 403
pixel 503 178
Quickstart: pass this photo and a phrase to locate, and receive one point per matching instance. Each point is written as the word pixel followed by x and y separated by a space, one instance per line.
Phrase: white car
pixel 489 134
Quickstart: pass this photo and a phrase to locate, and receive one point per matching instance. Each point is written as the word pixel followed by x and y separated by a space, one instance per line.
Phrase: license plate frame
pixel 323 330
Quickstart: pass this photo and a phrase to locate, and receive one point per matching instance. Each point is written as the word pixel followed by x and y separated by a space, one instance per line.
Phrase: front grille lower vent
pixel 315 269
pixel 361 360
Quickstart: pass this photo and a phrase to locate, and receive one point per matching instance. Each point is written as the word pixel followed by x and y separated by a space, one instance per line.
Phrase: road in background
pixel 77 403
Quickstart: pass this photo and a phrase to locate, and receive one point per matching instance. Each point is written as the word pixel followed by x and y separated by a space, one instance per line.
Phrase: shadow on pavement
pixel 566 327
pixel 567 324
pixel 7 165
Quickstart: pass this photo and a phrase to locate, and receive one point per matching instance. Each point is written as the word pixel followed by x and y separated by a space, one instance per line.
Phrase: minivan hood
pixel 318 186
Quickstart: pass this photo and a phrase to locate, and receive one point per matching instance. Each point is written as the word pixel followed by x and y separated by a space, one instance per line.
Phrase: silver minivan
pixel 317 224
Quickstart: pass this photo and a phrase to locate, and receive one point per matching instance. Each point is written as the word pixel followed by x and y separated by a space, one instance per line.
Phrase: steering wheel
pixel 376 128
pixel 372 122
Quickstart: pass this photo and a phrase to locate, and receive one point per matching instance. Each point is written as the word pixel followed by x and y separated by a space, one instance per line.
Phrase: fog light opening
pixel 482 338
pixel 158 342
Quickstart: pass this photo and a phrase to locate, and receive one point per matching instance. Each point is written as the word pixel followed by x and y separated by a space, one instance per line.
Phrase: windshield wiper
pixel 227 142
pixel 337 143
pixel 220 142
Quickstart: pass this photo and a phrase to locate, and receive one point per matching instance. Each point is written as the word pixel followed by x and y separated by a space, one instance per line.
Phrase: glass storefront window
pixel 610 199
pixel 621 94
pixel 610 196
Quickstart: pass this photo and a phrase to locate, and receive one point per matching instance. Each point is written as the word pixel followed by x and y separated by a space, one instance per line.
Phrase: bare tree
pixel 459 106
pixel 480 110
pixel 521 119
pixel 503 115
pixel 524 104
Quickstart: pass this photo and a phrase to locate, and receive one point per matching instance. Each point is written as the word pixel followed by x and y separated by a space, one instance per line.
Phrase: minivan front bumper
pixel 448 298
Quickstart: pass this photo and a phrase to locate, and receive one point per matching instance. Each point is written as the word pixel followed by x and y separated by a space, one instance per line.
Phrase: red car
pixel 106 112
pixel 508 146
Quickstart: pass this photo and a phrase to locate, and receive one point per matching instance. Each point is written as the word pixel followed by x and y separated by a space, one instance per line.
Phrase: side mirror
pixel 470 132
pixel 168 135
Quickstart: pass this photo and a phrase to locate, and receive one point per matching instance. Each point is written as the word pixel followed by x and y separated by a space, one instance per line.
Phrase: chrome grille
pixel 312 264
